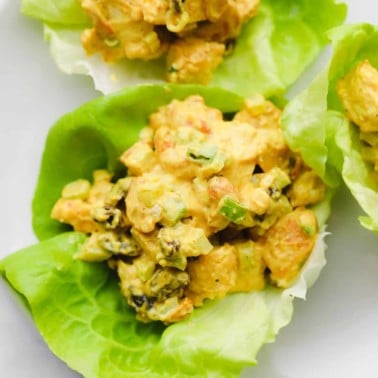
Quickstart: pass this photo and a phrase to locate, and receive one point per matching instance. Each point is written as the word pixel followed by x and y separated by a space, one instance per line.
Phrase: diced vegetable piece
pixel 250 268
pixel 150 189
pixel 185 240
pixel 77 189
pixel 173 209
pixel 276 178
pixel 139 158
pixel 144 267
pixel 214 166
pixel 175 261
pixel 202 153
pixel 118 191
pixel 92 251
pixel 232 209
pixel 147 242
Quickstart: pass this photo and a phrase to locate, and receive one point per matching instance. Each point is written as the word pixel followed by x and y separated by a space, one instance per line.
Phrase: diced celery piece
pixel 199 244
pixel 232 209
pixel 245 252
pixel 214 166
pixel 201 153
pixel 175 261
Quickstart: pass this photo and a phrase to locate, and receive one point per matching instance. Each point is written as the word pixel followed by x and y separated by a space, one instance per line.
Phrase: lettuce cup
pixel 345 96
pixel 218 42
pixel 186 250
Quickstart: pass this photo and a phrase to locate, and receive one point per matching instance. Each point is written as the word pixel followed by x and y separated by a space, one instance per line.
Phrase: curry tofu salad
pixel 174 235
pixel 195 34
pixel 209 207
pixel 219 42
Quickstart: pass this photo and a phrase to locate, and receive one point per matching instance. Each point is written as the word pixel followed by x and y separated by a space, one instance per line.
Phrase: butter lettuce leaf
pixel 272 51
pixel 352 44
pixel 81 314
pixel 78 307
pixel 336 144
pixel 278 45
pixel 58 12
pixel 76 311
pixel 310 129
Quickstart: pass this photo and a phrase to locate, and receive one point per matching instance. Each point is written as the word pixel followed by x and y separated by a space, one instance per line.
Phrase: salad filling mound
pixel 195 34
pixel 209 206
pixel 358 92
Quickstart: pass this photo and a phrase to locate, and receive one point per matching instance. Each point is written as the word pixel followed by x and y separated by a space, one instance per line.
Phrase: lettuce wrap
pixel 78 307
pixel 273 49
pixel 342 150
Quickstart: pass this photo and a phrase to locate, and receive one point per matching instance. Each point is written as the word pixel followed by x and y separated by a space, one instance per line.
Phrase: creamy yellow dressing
pixel 209 207
pixel 358 93
pixel 192 33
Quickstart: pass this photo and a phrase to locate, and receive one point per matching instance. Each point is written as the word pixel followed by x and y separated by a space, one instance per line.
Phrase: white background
pixel 334 333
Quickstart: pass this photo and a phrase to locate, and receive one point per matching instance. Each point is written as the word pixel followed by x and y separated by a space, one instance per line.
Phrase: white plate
pixel 334 333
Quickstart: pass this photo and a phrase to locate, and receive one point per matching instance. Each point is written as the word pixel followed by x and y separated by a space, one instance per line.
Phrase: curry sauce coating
pixel 226 269
pixel 193 60
pixel 358 93
pixel 79 198
pixel 209 207
pixel 193 33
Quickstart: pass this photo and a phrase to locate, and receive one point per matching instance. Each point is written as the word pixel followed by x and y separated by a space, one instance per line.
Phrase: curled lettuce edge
pixel 352 44
pixel 271 62
pixel 335 138
pixel 78 307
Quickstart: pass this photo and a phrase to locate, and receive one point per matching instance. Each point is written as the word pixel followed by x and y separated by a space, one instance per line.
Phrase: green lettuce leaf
pixel 352 44
pixel 310 129
pixel 335 140
pixel 78 307
pixel 83 318
pixel 276 47
pixel 271 52
pixel 58 12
